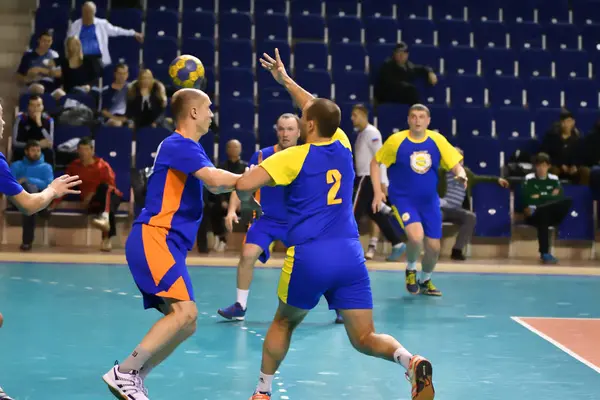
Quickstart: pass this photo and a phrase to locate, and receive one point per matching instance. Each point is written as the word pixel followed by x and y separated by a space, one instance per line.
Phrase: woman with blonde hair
pixel 146 100
pixel 77 71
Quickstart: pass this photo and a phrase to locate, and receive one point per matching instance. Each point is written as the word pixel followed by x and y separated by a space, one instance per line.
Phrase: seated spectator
pixel 591 151
pixel 34 125
pixel 34 175
pixel 545 204
pixel 114 98
pixel 39 68
pixel 77 71
pixel 99 193
pixel 146 100
pixel 395 77
pixel 562 144
pixel 452 197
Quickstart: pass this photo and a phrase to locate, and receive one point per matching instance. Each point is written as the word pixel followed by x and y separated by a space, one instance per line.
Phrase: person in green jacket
pixel 452 196
pixel 545 203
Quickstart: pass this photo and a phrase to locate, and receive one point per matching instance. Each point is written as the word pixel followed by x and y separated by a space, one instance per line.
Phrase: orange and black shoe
pixel 420 374
pixel 260 396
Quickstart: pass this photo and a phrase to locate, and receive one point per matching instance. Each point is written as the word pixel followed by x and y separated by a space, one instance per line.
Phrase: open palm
pixel 275 66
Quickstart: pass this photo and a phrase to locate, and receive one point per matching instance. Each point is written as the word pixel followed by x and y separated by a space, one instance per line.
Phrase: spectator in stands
pixel 34 125
pixel 34 175
pixel 94 33
pixel 591 151
pixel 77 71
pixel 452 197
pixel 395 80
pixel 99 193
pixel 146 100
pixel 562 144
pixel 545 204
pixel 39 68
pixel 114 98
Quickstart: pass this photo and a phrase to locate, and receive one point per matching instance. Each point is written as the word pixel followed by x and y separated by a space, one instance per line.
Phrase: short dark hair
pixel 34 97
pixel 361 107
pixel 31 143
pixel 541 158
pixel 121 65
pixel 47 32
pixel 86 141
pixel 326 114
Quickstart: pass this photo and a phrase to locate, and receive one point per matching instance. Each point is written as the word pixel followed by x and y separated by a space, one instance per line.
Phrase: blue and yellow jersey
pixel 318 180
pixel 271 198
pixel 174 195
pixel 412 165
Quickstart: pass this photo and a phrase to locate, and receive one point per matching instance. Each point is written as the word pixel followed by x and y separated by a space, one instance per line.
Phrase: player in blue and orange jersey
pixel 413 158
pixel 325 257
pixel 161 236
pixel 265 229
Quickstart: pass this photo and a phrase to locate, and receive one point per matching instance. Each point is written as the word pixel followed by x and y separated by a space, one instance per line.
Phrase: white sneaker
pixel 102 223
pixel 127 386
pixel 370 254
pixel 4 396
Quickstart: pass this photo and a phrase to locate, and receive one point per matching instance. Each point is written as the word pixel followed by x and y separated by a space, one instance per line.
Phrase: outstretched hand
pixel 64 185
pixel 275 66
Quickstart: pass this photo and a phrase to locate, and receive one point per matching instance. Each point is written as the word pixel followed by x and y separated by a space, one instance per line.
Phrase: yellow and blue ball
pixel 187 72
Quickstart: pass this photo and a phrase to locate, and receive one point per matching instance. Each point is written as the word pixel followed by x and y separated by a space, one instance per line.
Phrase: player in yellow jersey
pixel 325 257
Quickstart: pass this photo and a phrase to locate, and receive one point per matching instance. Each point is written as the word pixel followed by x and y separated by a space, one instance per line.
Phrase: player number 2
pixel 333 177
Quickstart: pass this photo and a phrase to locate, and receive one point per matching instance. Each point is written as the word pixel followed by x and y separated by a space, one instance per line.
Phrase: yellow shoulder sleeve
pixel 386 154
pixel 284 166
pixel 449 155
pixel 343 138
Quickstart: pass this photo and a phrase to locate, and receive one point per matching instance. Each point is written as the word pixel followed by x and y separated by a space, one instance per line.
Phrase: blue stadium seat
pixel 579 223
pixel 56 18
pixel 518 147
pixel 198 24
pixel 391 118
pixel 473 121
pixel 413 9
pixel 235 6
pixel 236 115
pixel 235 53
pixel 342 8
pixel 441 120
pixel 491 34
pixel 432 95
pixel 269 7
pixel 310 55
pixel 426 55
pixel 513 123
pixel 526 36
pixel 506 91
pixel 348 57
pixel 351 86
pixel 127 18
pixel 591 38
pixel 46 4
pixel 491 204
pixel 159 52
pixel 124 49
pixel 344 29
pixel 467 91
pixel 271 26
pixel 269 46
pixel 64 133
pixel 587 13
pixel 562 37
pixel 246 138
pixel 306 7
pixel 544 119
pixel 163 5
pixel 199 6
pixel 518 12
pixel 270 92
pixel 308 27
pixel 498 62
pixel 581 94
pixel 203 47
pixel 146 145
pixel 209 73
pixel 236 83
pixel 558 13
pixel 114 146
pixel 586 118
pixel 268 113
pixel 377 8
pixel 484 10
pixel 381 30
pixel 461 61
pixel 535 63
pixel 378 53
pixel 543 93
pixel 316 82
pixel 235 25
pixel 454 33
pixel 450 10
pixel 207 141
pixel 572 64
pixel 162 23
pixel 417 31
pixel 482 155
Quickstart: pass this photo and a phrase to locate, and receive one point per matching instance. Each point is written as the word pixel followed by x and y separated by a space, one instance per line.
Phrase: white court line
pixel 556 318
pixel 570 352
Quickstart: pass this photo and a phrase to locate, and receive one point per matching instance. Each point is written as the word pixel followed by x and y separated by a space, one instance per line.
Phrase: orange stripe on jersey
pixel 178 291
pixel 158 256
pixel 174 185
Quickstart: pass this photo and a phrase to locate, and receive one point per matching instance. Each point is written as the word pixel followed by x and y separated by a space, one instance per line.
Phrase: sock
pixel 242 297
pixel 144 371
pixel 398 245
pixel 425 276
pixel 373 241
pixel 411 266
pixel 385 209
pixel 135 361
pixel 105 215
pixel 265 383
pixel 402 357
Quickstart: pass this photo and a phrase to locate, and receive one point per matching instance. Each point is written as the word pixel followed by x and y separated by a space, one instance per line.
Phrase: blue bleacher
pixel 235 25
pixel 147 143
pixel 308 27
pixel 199 6
pixel 513 122
pixel 310 55
pixel 235 6
pixel 473 122
pixel 198 24
pixel 161 5
pixel 351 86
pixel 269 7
pixel 271 27
pixel 347 57
pixel 344 29
pixel 114 146
pixel 236 53
pixel 491 204
pixel 162 23
pixel 579 222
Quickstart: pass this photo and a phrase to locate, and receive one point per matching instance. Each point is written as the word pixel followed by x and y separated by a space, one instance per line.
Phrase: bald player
pixel 161 236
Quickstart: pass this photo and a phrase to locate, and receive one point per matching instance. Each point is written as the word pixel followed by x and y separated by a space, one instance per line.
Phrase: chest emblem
pixel 420 162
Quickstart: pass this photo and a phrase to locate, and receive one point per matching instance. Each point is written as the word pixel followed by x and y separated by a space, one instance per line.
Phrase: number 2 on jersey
pixel 333 177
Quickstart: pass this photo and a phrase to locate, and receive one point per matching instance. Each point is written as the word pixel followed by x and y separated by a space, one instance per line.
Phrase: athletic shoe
pixel 420 375
pixel 102 223
pixel 370 252
pixel 260 396
pixel 411 282
pixel 234 312
pixel 429 289
pixel 338 317
pixel 548 259
pixel 4 396
pixel 396 252
pixel 127 386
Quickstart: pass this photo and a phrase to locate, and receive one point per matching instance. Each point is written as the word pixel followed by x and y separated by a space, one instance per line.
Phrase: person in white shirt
pixel 367 143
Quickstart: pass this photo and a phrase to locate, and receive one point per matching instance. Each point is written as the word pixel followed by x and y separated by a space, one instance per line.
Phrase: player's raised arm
pixel 30 203
pixel 277 69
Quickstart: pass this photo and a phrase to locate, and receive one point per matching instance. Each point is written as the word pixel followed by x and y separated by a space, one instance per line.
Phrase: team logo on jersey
pixel 405 217
pixel 420 162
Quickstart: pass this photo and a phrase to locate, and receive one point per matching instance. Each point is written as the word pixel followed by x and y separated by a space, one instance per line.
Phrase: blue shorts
pixel 263 232
pixel 157 264
pixel 332 268
pixel 408 211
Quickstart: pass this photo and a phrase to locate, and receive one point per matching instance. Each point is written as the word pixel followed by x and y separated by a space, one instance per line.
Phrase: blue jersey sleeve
pixel 254 159
pixel 8 184
pixel 188 156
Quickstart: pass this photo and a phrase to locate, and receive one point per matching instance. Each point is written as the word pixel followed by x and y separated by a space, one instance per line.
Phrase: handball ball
pixel 187 72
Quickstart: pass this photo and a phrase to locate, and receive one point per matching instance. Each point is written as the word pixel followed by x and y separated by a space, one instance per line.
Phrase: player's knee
pixel 471 218
pixel 187 314
pixel 433 246
pixel 362 342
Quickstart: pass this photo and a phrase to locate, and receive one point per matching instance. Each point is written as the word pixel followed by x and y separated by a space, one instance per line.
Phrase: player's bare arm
pixel 378 194
pixel 277 69
pixel 460 173
pixel 30 203
pixel 251 181
pixel 217 180
pixel 234 205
